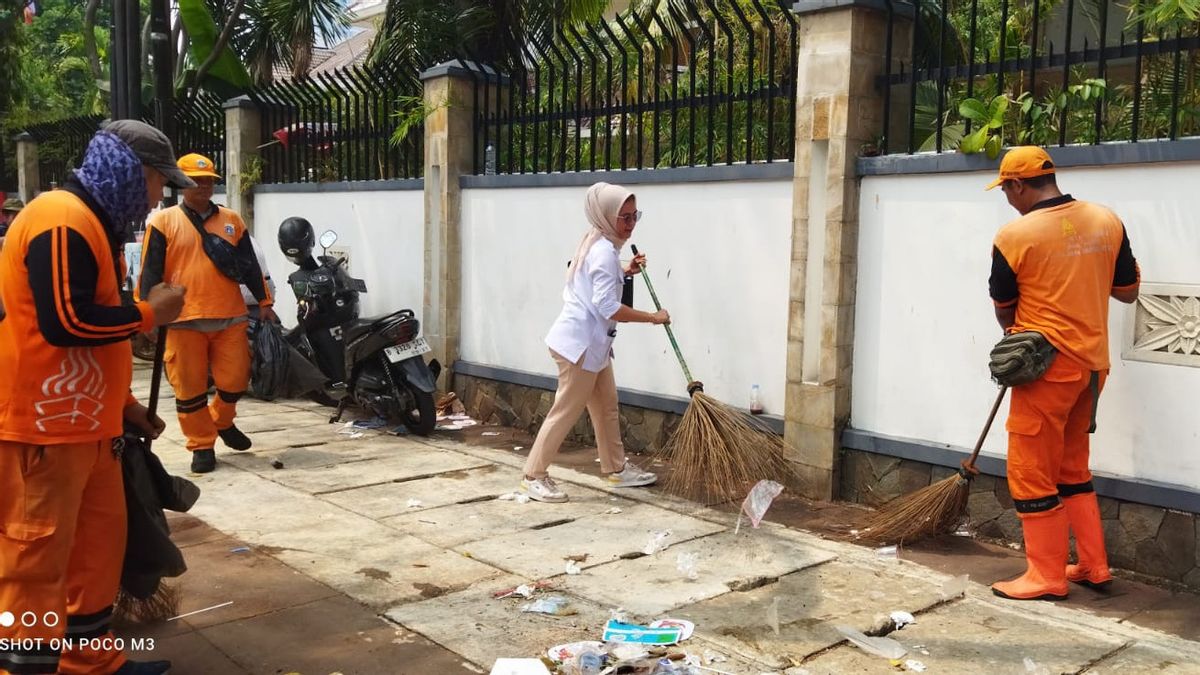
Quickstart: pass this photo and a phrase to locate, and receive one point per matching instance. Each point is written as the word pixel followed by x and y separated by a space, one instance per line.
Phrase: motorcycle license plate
pixel 407 350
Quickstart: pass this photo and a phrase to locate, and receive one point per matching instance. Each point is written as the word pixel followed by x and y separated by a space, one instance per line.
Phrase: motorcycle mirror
pixel 328 238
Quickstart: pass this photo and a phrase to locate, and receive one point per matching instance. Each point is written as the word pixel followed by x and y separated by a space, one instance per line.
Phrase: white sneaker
pixel 543 489
pixel 631 476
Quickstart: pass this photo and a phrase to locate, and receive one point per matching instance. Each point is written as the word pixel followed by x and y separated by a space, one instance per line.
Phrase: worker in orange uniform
pixel 1053 271
pixel 206 247
pixel 65 371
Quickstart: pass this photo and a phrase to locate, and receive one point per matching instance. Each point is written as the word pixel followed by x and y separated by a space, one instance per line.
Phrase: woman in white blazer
pixel 580 343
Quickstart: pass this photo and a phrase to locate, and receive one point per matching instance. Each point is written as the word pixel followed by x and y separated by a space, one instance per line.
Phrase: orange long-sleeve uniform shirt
pixel 65 363
pixel 174 251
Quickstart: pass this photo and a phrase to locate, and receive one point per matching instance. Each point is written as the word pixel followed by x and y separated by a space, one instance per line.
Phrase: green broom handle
pixel 670 334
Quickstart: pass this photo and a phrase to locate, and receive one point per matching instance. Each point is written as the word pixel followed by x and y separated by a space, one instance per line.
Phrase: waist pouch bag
pixel 224 256
pixel 1021 358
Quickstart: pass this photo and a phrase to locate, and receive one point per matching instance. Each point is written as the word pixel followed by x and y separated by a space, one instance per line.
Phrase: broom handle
pixel 156 375
pixel 670 334
pixel 969 464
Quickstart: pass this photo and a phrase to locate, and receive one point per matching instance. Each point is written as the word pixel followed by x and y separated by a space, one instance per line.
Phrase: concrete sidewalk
pixel 381 554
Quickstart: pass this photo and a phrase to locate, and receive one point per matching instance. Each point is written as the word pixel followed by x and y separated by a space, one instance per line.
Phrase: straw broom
pixel 717 451
pixel 935 509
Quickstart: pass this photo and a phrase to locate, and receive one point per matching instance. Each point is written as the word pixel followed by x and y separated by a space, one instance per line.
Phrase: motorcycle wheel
pixel 427 420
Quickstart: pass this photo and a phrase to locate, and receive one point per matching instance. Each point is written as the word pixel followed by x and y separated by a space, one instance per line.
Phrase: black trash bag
pixel 150 554
pixel 272 356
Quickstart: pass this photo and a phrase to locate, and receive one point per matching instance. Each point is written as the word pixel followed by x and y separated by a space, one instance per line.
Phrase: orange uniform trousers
pixel 62 545
pixel 1048 434
pixel 190 356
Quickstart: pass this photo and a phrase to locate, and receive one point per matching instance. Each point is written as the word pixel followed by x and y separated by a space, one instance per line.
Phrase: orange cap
pixel 1026 161
pixel 197 165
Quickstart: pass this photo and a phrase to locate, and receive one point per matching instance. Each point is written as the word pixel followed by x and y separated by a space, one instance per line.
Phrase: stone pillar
pixel 449 154
pixel 243 134
pixel 838 109
pixel 29 179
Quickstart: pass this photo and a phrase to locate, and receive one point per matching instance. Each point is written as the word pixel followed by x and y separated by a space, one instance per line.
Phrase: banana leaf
pixel 227 77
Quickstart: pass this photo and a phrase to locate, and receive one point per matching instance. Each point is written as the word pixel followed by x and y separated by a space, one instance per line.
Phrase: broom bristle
pixel 718 451
pixel 934 509
pixel 159 607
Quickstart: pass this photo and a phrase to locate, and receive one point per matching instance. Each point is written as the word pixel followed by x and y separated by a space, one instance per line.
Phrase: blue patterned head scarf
pixel 112 175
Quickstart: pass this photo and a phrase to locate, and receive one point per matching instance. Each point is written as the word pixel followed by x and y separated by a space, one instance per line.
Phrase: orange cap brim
pixel 202 174
pixel 993 184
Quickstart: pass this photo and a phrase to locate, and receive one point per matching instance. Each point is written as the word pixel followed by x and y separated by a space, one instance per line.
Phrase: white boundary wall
pixel 383 232
pixel 924 323
pixel 718 255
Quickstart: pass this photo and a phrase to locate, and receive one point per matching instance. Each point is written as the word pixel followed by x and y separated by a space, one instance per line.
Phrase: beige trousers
pixel 579 389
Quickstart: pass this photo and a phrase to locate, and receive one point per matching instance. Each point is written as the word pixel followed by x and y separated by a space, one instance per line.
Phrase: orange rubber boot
pixel 1046 547
pixel 1083 512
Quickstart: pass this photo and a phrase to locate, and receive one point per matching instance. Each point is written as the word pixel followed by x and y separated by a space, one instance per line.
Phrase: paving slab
pixel 191 654
pixel 653 585
pixel 377 566
pixel 483 629
pixel 327 636
pixel 811 602
pixel 451 526
pixel 309 456
pixel 969 636
pixel 407 462
pixel 284 419
pixel 452 487
pixel 539 553
pixel 1139 659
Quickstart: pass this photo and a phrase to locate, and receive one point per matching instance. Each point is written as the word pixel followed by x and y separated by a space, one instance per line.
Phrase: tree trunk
pixel 89 38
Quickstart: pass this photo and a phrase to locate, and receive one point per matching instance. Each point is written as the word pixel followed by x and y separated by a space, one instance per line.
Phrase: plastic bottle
pixel 590 662
pixel 756 407
pixel 489 160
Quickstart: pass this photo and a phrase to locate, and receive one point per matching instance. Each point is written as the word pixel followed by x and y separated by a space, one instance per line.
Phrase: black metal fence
pixel 688 83
pixel 61 145
pixel 200 127
pixel 357 123
pixel 1060 72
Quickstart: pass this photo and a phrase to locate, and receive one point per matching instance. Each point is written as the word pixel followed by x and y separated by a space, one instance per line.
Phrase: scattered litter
pixel 518 448
pixel 1015 546
pixel 524 590
pixel 615 631
pixel 686 564
pixel 582 557
pixel 399 431
pixel 614 510
pixel 522 499
pixel 573 567
pixel 914 665
pixel 879 646
pixel 952 588
pixel 902 619
pixel 619 615
pixel 685 627
pixel 566 652
pixel 414 503
pixel 377 423
pixel 713 657
pixel 854 532
pixel 517 497
pixel 757 502
pixel 773 615
pixel 555 605
pixel 490 433
pixel 356 435
pixel 658 542
pixel 519 667
pixel 240 549
pixel 962 532
pixel 889 552
pixel 629 652
pixel 277 464
pixel 1034 668
pixel 428 522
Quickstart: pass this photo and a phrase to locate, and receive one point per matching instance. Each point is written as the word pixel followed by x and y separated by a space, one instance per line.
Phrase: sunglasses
pixel 630 217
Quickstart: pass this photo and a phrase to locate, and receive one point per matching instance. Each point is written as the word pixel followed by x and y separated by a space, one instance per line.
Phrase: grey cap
pixel 152 147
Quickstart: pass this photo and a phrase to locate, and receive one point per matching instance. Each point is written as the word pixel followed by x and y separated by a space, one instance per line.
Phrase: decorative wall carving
pixel 1165 325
